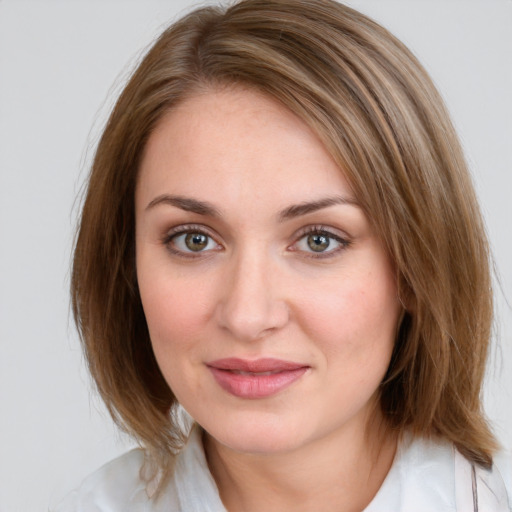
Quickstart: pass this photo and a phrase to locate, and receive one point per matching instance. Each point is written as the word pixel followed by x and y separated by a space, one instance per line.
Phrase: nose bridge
pixel 251 305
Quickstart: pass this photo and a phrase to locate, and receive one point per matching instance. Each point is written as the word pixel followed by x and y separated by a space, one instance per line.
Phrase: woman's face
pixel 270 301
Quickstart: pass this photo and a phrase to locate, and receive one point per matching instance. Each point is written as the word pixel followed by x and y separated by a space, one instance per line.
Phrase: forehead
pixel 237 143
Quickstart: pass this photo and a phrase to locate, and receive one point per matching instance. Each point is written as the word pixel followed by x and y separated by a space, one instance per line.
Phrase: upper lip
pixel 267 364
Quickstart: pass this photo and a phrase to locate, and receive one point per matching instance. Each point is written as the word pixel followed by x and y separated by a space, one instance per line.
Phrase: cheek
pixel 355 317
pixel 176 313
pixel 175 308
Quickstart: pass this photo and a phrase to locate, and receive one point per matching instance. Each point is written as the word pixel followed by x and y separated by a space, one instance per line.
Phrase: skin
pixel 257 289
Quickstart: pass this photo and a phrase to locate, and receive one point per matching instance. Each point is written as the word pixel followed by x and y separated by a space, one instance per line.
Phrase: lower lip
pixel 254 385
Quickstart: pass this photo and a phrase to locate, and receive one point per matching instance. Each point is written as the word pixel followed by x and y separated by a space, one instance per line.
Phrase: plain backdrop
pixel 62 64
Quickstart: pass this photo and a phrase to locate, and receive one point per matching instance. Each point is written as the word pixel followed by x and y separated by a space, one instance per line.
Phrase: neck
pixel 341 471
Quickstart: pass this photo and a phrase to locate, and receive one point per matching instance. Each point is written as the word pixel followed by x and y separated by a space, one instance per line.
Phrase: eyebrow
pixel 185 203
pixel 207 209
pixel 312 206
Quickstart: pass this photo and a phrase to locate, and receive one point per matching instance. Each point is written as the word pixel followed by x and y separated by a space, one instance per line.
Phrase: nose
pixel 251 305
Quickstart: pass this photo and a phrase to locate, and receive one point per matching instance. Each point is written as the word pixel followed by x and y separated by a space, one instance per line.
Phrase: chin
pixel 258 444
pixel 265 435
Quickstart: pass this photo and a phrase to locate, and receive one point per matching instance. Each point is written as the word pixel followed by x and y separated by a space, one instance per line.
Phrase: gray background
pixel 62 64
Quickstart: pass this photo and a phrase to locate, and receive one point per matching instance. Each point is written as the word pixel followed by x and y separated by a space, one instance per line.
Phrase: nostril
pixel 251 304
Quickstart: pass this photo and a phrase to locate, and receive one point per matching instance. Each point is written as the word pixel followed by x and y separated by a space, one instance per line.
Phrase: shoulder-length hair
pixel 381 118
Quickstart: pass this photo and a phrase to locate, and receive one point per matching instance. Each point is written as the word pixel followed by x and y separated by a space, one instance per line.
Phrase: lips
pixel 260 378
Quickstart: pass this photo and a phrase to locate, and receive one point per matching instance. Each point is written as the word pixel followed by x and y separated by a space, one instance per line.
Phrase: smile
pixel 255 379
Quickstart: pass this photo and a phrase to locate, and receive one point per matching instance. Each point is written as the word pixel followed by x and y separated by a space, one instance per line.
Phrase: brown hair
pixel 381 118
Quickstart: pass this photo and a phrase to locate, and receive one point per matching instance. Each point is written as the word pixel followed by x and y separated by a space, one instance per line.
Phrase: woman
pixel 280 235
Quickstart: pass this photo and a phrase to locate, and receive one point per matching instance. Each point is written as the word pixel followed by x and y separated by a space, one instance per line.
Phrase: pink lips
pixel 255 379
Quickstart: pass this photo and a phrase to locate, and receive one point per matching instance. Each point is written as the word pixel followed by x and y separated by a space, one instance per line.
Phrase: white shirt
pixel 426 476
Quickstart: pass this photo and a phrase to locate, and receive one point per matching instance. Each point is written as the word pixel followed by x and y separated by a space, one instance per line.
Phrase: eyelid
pixel 186 228
pixel 183 229
pixel 339 236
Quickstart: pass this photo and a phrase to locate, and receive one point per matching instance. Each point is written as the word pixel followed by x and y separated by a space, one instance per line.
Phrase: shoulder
pixel 503 462
pixel 430 474
pixel 502 468
pixel 122 485
pixel 474 487
pixel 115 487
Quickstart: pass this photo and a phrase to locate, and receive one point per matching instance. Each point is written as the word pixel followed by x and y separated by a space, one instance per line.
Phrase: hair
pixel 381 118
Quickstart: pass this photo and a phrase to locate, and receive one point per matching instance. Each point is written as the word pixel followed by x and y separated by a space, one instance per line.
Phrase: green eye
pixel 318 242
pixel 188 242
pixel 196 241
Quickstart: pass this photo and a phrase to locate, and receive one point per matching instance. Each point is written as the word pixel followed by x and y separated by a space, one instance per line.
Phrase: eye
pixel 320 242
pixel 189 242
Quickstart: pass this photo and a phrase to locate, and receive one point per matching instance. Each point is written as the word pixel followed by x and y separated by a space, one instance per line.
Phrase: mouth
pixel 260 378
pixel 253 374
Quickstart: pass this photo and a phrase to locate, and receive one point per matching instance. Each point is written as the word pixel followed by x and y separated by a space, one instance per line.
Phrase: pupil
pixel 196 241
pixel 318 243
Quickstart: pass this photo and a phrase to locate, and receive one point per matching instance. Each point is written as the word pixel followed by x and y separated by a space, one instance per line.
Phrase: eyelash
pixel 185 230
pixel 344 243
